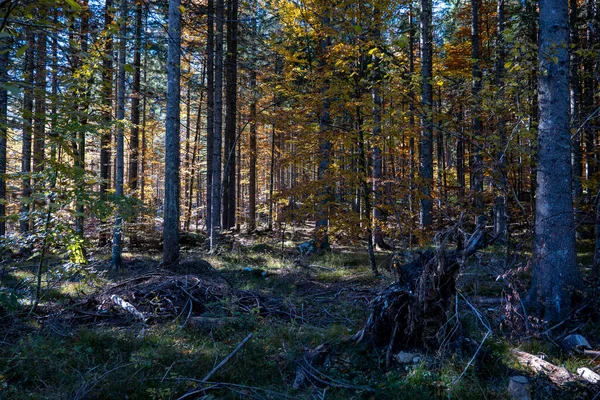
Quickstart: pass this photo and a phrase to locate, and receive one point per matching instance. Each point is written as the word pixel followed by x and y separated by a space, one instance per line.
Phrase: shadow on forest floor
pixel 179 323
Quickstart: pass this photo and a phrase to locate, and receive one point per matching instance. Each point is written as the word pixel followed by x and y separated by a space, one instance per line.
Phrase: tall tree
pixel 120 156
pixel 27 116
pixel 477 178
pixel 426 143
pixel 171 224
pixel 134 138
pixel 229 196
pixel 107 88
pixel 500 206
pixel 83 118
pixel 210 108
pixel 217 136
pixel 555 271
pixel 4 57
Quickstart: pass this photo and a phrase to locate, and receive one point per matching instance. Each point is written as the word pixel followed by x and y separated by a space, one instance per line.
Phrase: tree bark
pixel 120 156
pixel 500 204
pixel 171 208
pixel 217 136
pixel 555 272
pixel 27 116
pixel 229 196
pixel 4 56
pixel 575 101
pixel 426 141
pixel 210 109
pixel 477 133
pixel 134 137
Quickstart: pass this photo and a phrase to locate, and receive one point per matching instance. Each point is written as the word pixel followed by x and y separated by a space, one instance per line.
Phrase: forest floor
pixel 290 318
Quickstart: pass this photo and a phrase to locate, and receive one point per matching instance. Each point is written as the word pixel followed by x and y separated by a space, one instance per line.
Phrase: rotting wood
pixel 130 308
pixel 558 375
pixel 420 305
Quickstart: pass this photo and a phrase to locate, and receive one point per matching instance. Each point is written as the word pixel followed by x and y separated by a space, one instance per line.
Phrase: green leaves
pixel 73 4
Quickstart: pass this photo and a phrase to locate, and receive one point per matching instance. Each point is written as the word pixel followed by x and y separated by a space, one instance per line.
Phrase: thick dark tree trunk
pixel 215 227
pixel 555 272
pixel 171 209
pixel 426 142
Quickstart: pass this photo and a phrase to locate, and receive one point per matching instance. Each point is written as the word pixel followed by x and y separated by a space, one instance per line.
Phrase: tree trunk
pixel 134 137
pixel 83 120
pixel 210 109
pixel 218 113
pixel 171 208
pixel 575 100
pixel 426 142
pixel 477 133
pixel 252 155
pixel 27 116
pixel 4 55
pixel 120 156
pixel 377 159
pixel 500 204
pixel 39 116
pixel 555 272
pixel 231 115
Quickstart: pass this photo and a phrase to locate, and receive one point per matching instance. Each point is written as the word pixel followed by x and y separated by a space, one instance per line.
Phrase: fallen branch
pixel 558 375
pixel 229 357
pixel 130 308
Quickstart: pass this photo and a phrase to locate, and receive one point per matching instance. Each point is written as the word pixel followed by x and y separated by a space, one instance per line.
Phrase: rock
pixel 575 343
pixel 407 358
pixel 519 388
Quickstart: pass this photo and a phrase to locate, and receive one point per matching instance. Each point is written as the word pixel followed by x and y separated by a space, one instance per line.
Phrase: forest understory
pixel 259 320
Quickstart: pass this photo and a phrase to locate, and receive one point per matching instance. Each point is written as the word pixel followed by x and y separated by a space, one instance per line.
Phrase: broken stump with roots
pixel 417 311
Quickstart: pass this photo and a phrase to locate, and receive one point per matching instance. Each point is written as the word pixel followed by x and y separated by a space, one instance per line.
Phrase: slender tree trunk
pixel 4 55
pixel 377 139
pixel 500 204
pixel 252 155
pixel 171 224
pixel 134 137
pixel 39 116
pixel 210 110
pixel 217 138
pixel 142 181
pixel 120 156
pixel 477 133
pixel 271 178
pixel 575 100
pixel 231 115
pixel 83 120
pixel 188 215
pixel 27 131
pixel 107 104
pixel 426 142
pixel 555 272
pixel 589 91
pixel 321 235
